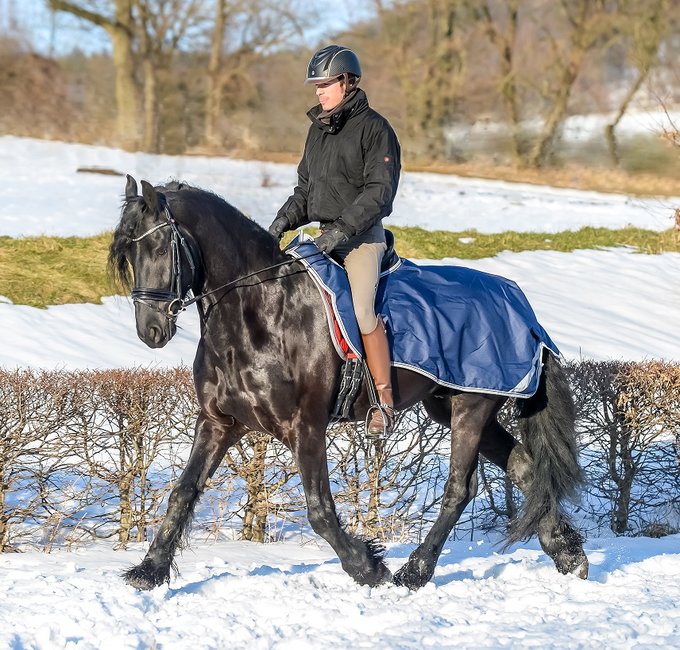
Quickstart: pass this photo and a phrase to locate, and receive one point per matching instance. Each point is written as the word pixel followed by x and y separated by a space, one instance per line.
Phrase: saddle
pixel 390 259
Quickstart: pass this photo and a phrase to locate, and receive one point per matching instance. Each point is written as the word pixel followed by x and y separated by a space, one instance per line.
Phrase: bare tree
pixel 502 32
pixel 244 31
pixel 115 17
pixel 644 26
pixel 267 471
pixel 589 25
pixel 162 26
pixel 628 418
pixel 32 409
pixel 128 422
pixel 425 42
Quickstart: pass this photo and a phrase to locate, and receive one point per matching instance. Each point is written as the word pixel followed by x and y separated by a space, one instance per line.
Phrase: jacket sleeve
pixel 295 207
pixel 382 165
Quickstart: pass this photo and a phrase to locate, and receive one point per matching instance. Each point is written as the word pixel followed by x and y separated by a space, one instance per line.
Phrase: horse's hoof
pixel 575 564
pixel 411 578
pixel 145 577
pixel 380 576
pixel 581 571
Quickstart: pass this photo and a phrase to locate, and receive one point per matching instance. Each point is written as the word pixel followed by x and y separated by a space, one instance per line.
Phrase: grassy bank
pixel 643 181
pixel 41 271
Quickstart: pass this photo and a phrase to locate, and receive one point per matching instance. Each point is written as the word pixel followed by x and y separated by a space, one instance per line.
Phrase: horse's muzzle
pixel 154 337
pixel 155 332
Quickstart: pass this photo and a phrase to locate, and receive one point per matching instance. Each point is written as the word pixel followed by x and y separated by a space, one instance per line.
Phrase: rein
pixel 175 296
pixel 191 301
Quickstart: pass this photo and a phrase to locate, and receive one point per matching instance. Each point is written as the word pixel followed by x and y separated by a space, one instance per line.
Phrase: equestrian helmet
pixel 331 62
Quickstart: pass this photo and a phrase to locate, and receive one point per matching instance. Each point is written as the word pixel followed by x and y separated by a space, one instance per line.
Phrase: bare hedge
pixel 93 454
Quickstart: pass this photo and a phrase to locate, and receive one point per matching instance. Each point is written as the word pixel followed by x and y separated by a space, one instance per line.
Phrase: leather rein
pixel 175 296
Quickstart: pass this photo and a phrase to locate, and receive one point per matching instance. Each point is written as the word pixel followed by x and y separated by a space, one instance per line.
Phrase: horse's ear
pixel 130 187
pixel 150 197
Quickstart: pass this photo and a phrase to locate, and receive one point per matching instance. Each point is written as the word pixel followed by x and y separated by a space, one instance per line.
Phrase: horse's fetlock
pixel 147 575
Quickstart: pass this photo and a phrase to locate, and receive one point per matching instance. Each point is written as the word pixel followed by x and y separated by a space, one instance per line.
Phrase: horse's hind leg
pixel 211 441
pixel 361 559
pixel 469 413
pixel 560 541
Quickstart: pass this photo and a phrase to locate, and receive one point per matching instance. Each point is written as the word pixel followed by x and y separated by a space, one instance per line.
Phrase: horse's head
pixel 150 255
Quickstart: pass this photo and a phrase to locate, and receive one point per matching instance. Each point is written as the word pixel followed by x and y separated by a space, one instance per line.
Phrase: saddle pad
pixel 462 328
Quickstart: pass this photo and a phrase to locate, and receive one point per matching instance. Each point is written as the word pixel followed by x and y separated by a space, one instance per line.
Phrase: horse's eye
pixel 162 251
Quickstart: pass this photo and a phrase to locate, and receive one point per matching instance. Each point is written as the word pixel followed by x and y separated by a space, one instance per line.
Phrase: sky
pixel 59 33
pixel 604 304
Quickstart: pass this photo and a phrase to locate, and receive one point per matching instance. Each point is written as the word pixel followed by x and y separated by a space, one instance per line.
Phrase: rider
pixel 347 180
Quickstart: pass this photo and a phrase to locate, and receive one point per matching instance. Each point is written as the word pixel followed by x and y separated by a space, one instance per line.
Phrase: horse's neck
pixel 228 255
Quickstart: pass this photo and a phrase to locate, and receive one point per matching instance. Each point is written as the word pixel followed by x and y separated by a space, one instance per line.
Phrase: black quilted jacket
pixel 349 172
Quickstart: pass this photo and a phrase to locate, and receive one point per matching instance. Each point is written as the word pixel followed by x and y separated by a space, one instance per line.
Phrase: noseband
pixel 174 296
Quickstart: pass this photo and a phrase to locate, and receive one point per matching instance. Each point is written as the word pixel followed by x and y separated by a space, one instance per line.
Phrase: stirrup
pixel 380 420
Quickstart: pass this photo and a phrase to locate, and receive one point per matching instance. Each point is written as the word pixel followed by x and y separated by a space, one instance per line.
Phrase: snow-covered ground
pixel 595 304
pixel 294 597
pixel 43 193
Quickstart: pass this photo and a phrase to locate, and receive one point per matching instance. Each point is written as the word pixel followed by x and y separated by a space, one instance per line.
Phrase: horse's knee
pixel 460 492
pixel 181 495
pixel 321 520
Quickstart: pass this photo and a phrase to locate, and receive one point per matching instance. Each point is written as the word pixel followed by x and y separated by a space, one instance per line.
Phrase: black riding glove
pixel 278 227
pixel 329 239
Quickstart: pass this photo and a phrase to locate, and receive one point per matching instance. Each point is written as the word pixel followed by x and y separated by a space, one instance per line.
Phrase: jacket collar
pixel 355 105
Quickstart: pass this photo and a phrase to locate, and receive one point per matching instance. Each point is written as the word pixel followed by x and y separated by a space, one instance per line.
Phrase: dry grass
pixel 596 179
pixel 422 244
pixel 576 177
pixel 41 271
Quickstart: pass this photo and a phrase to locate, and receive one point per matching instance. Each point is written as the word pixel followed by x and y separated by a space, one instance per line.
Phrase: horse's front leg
pixel 211 441
pixel 361 559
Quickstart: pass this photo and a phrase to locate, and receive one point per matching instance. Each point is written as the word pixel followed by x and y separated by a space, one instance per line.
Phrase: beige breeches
pixel 363 270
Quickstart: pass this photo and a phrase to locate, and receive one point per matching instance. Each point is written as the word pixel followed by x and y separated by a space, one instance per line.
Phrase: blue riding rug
pixel 462 328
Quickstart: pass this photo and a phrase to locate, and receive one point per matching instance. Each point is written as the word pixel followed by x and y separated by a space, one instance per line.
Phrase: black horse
pixel 265 362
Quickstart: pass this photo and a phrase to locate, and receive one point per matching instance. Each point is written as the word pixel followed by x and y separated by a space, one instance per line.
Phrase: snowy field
pixel 595 304
pixel 610 304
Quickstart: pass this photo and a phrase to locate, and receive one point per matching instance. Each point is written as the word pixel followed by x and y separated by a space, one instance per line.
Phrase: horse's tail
pixel 547 424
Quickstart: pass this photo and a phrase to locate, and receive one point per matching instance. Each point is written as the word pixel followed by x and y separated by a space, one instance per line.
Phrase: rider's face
pixel 330 93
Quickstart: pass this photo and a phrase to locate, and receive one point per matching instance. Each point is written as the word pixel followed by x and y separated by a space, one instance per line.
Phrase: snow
pixel 44 194
pixel 293 594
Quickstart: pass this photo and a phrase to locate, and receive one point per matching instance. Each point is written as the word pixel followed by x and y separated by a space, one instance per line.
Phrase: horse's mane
pixel 118 266
pixel 224 208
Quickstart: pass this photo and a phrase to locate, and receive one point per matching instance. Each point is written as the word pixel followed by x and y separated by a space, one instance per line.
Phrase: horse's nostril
pixel 155 334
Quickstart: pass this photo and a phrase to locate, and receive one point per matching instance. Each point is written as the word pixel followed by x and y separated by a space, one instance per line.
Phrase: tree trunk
pixel 621 512
pixel 255 517
pixel 121 33
pixel 213 95
pixel 542 148
pixel 125 496
pixel 374 464
pixel 505 44
pixel 151 138
pixel 4 523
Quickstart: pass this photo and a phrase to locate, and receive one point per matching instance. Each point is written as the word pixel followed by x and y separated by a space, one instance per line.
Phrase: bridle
pixel 175 296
